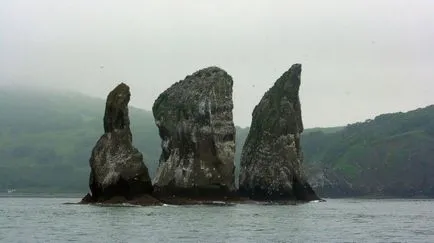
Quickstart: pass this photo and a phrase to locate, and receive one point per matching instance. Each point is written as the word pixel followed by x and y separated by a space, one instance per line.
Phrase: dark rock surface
pixel 117 168
pixel 195 122
pixel 327 183
pixel 271 159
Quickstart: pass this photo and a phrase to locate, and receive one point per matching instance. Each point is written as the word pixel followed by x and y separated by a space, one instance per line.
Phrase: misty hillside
pixel 46 139
pixel 391 155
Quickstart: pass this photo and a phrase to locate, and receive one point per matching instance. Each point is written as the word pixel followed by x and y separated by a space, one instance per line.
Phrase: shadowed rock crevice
pixel 117 169
pixel 195 122
pixel 271 159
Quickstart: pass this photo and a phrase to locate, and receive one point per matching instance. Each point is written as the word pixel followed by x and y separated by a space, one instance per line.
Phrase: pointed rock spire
pixel 117 168
pixel 271 160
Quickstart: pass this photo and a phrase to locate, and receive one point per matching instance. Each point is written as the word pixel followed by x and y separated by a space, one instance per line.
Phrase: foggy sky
pixel 360 58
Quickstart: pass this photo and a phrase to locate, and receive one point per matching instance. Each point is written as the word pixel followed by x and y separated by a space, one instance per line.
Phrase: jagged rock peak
pixel 195 122
pixel 117 168
pixel 116 110
pixel 271 160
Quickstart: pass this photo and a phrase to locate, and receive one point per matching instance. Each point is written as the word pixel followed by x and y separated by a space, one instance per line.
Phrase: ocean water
pixel 26 219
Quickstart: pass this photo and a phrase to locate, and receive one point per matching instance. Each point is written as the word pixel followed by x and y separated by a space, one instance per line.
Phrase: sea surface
pixel 36 219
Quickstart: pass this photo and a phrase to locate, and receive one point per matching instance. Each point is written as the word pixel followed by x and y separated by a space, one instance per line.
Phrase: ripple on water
pixel 343 220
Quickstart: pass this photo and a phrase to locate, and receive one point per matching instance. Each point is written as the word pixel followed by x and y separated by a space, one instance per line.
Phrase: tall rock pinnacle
pixel 271 159
pixel 117 168
pixel 194 118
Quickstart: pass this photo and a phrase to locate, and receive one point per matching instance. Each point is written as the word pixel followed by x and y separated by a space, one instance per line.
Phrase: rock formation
pixel 271 158
pixel 117 169
pixel 194 118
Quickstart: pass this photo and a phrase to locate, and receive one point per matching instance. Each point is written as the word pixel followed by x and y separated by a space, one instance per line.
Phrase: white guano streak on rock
pixel 165 144
pixel 164 168
pixel 209 107
pixel 202 106
pixel 112 162
pixel 205 169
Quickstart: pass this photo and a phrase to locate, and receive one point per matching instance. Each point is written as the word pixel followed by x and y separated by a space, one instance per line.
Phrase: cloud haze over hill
pixel 360 58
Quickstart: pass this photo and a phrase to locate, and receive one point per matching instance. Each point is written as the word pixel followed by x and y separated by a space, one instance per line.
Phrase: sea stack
pixel 118 172
pixel 195 122
pixel 271 159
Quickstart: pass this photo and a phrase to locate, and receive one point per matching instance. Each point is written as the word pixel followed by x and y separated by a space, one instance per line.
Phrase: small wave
pixel 71 203
pixel 128 205
pixel 318 201
pixel 120 205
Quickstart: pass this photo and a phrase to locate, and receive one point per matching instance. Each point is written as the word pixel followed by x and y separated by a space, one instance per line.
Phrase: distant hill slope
pixel 326 130
pixel 46 139
pixel 391 155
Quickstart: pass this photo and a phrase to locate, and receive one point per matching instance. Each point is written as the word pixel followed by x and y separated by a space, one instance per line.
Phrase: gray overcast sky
pixel 360 58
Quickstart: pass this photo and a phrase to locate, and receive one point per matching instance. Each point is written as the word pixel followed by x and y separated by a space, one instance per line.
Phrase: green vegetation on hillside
pixel 46 139
pixel 390 155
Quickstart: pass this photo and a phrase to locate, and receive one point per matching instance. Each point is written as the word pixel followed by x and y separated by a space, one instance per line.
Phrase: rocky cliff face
pixel 195 122
pixel 117 168
pixel 271 157
pixel 328 183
